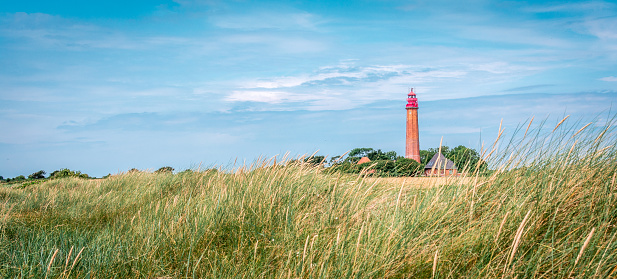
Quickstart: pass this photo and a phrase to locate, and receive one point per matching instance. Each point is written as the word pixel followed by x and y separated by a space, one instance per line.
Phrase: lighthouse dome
pixel 412 101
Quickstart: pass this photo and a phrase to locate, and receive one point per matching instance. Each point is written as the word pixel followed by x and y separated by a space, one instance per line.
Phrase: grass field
pixel 548 210
pixel 421 182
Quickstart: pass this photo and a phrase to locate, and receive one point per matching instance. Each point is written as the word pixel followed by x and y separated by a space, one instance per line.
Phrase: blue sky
pixel 105 86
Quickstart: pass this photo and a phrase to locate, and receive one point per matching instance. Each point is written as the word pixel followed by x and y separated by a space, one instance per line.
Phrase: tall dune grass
pixel 549 210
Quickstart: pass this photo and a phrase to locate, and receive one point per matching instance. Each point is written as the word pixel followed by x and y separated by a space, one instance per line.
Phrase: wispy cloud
pixel 43 30
pixel 337 87
pixel 272 97
pixel 347 84
pixel 581 7
pixel 354 76
pixel 274 43
pixel 527 88
pixel 611 78
pixel 604 28
pixel 501 67
pixel 517 36
pixel 268 20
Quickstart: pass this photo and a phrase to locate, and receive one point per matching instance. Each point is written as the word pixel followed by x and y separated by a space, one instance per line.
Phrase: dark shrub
pixel 37 175
pixel 166 169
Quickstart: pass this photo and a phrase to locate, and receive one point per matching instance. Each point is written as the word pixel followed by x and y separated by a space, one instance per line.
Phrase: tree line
pixel 39 175
pixel 391 164
pixel 382 163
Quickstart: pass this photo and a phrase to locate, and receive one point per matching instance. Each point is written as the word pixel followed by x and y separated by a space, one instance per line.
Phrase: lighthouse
pixel 412 142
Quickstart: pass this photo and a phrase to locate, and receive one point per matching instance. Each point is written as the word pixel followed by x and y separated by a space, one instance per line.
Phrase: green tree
pixel 315 160
pixel 389 164
pixel 19 178
pixel 466 158
pixel 37 175
pixel 380 155
pixel 408 167
pixel 344 167
pixel 383 167
pixel 360 152
pixel 335 159
pixel 391 155
pixel 427 155
pixel 67 173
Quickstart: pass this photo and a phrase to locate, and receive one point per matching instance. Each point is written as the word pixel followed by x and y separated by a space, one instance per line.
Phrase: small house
pixel 439 165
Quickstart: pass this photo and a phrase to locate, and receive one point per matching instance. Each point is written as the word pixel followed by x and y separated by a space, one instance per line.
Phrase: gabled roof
pixel 364 160
pixel 440 162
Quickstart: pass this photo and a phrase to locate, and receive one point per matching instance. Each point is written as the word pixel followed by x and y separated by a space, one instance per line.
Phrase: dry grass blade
pixel 560 122
pixel 528 125
pixel 305 247
pixel 494 147
pixel 580 253
pixel 255 251
pixel 66 263
pixel 439 151
pixel 358 244
pixel 601 135
pixel 6 216
pixel 603 255
pixel 435 263
pixel 517 238
pixel 51 261
pixel 77 258
pixel 581 129
pixel 398 201
pixel 501 226
pixel 565 162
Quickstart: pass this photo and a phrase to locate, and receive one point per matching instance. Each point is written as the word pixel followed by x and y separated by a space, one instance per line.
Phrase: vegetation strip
pixel 545 206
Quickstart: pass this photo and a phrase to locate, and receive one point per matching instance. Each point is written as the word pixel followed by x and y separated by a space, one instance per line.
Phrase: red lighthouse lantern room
pixel 412 101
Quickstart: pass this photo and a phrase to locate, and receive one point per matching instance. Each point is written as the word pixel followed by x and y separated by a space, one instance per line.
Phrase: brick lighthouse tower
pixel 412 142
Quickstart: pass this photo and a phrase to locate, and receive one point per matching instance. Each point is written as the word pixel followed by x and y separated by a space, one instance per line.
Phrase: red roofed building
pixel 364 160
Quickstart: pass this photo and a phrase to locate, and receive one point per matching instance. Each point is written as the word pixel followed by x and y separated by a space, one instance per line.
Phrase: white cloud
pixel 339 73
pixel 602 28
pixel 343 86
pixel 272 97
pixel 278 82
pixel 611 78
pixel 360 78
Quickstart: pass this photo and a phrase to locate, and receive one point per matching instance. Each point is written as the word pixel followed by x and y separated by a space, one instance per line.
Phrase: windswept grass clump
pixel 548 210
